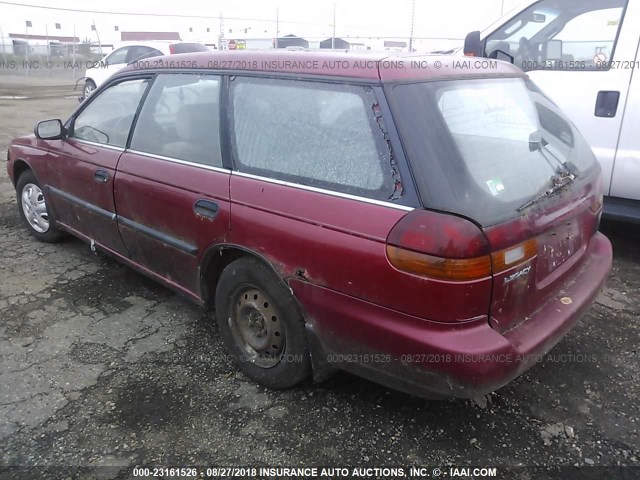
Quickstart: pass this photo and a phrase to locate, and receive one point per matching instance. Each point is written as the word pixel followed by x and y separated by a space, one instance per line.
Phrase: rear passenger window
pixel 310 133
pixel 180 119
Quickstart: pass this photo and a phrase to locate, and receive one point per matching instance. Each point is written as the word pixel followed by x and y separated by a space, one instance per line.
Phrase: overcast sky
pixel 308 18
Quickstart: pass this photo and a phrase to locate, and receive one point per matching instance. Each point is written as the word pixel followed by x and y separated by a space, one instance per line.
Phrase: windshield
pixel 497 143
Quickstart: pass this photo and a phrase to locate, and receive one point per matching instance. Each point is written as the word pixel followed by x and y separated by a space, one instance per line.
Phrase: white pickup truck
pixel 584 54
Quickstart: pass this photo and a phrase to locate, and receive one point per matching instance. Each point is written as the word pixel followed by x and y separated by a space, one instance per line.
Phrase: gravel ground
pixel 101 367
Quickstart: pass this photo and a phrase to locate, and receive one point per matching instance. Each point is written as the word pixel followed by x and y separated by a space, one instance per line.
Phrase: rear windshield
pixel 188 48
pixel 483 148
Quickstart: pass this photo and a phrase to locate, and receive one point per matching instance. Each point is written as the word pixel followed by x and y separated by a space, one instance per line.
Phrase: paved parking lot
pixel 100 366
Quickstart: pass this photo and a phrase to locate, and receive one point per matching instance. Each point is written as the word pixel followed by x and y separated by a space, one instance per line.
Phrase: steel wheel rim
pixel 35 208
pixel 257 327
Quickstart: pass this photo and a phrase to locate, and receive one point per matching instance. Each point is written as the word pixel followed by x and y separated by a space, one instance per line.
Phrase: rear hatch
pixel 499 153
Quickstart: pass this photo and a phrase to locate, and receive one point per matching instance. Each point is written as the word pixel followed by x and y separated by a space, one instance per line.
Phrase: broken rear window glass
pixel 316 134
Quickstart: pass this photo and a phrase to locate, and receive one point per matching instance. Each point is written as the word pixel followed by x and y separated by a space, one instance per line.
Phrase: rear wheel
pixel 33 210
pixel 262 325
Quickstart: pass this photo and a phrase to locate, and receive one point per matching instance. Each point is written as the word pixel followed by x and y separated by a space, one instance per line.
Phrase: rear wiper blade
pixel 537 143
pixel 560 181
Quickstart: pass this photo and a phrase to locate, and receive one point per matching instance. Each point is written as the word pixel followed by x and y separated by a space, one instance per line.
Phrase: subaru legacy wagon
pixel 430 223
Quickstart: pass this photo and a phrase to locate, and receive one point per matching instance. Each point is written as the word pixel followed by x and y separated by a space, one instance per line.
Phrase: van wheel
pixel 33 209
pixel 262 325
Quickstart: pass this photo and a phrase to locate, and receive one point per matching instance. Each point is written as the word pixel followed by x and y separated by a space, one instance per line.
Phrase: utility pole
pixel 46 29
pixel 73 52
pixel 333 36
pixel 4 53
pixel 98 37
pixel 413 19
pixel 26 47
pixel 277 26
pixel 221 36
pixel 502 8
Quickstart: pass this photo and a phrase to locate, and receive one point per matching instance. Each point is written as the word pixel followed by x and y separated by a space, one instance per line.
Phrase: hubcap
pixel 35 208
pixel 88 89
pixel 257 327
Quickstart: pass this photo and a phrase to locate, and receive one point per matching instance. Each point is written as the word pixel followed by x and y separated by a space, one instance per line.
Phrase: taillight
pixel 439 246
pixel 172 49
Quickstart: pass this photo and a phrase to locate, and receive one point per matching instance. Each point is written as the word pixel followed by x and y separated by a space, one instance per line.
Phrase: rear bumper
pixel 434 360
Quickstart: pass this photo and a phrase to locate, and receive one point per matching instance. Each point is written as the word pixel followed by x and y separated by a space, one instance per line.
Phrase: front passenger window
pixel 107 119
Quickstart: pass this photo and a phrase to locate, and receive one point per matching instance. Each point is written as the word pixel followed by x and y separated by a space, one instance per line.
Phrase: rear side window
pixel 180 119
pixel 188 48
pixel 117 57
pixel 139 52
pixel 311 133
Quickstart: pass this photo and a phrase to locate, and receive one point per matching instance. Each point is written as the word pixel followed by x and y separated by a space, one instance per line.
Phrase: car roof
pixel 148 43
pixel 368 66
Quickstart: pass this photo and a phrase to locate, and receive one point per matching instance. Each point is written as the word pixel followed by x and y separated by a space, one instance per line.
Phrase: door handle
pixel 607 104
pixel 101 176
pixel 206 208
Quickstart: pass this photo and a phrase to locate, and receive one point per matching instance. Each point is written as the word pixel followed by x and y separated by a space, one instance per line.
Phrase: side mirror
pixel 554 50
pixel 49 130
pixel 473 45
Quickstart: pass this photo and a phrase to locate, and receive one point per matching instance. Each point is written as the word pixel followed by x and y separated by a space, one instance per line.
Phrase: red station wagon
pixel 430 223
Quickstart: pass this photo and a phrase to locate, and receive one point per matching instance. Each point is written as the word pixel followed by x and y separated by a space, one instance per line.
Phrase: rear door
pixel 82 178
pixel 576 52
pixel 171 189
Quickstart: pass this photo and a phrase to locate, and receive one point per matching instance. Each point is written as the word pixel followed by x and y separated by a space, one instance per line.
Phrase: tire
pixel 261 324
pixel 87 90
pixel 33 209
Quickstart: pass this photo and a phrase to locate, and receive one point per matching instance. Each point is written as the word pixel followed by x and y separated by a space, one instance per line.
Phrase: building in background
pixel 336 43
pixel 291 40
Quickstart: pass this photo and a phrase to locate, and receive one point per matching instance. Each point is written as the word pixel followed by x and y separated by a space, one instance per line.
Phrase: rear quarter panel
pixel 339 243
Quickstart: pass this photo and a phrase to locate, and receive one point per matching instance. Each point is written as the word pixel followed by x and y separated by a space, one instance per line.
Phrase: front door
pixel 82 176
pixel 626 170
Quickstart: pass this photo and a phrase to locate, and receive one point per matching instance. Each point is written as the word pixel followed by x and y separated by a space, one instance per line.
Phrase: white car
pixel 128 52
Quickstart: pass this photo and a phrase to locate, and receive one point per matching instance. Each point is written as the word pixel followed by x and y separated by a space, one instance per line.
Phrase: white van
pixel 584 55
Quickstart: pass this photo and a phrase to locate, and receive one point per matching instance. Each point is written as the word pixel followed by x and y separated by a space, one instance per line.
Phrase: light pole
pixel 413 18
pixel 221 35
pixel 333 36
pixel 277 26
pixel 27 24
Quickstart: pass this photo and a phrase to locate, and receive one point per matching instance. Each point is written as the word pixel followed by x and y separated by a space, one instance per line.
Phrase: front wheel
pixel 33 209
pixel 89 87
pixel 262 325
